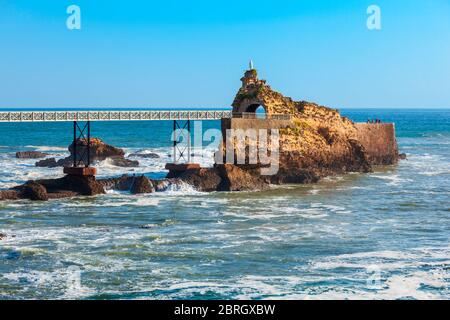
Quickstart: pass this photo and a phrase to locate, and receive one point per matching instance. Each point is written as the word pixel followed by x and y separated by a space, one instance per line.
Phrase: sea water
pixel 380 235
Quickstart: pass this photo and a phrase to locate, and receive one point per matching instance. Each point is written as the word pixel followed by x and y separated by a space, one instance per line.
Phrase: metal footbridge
pixel 82 128
pixel 113 115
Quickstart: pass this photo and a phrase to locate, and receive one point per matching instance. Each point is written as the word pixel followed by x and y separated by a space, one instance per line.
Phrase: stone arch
pixel 252 107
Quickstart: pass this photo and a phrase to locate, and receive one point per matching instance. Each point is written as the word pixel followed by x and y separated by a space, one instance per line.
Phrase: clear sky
pixel 192 53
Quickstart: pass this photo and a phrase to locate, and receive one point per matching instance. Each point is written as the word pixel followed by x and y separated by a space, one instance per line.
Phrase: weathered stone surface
pixel 33 191
pixel 379 142
pixel 48 163
pixel 319 142
pixel 30 155
pixel 99 150
pixel 136 184
pixel 9 195
pixel 235 178
pixel 221 178
pixel 203 179
pixel 126 163
pixel 142 184
pixel 150 155
pixel 162 185
pixel 71 185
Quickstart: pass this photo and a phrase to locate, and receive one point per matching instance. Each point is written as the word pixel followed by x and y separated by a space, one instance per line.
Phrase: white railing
pixel 116 115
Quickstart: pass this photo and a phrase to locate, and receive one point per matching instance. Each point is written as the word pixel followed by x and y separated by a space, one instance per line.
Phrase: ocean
pixel 381 235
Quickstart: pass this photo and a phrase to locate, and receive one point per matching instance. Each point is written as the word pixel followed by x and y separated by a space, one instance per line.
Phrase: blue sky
pixel 193 53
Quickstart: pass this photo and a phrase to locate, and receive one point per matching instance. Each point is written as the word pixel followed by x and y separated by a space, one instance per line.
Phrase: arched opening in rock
pixel 258 110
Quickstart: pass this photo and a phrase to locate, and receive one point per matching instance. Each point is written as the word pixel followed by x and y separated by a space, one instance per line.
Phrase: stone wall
pixel 379 142
pixel 241 123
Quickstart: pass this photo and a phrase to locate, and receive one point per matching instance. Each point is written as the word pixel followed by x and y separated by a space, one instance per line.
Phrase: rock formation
pixel 150 155
pixel 224 177
pixel 99 151
pixel 30 155
pixel 315 142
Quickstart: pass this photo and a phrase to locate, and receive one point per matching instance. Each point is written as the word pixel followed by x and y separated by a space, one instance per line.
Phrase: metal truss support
pixel 180 148
pixel 81 144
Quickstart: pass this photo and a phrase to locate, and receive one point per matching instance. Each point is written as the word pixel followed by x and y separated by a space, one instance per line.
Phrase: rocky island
pixel 314 142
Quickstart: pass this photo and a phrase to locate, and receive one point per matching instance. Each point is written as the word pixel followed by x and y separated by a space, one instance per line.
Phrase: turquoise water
pixel 382 235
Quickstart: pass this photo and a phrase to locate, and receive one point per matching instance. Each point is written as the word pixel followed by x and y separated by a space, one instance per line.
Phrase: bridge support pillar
pixel 81 150
pixel 181 138
pixel 181 149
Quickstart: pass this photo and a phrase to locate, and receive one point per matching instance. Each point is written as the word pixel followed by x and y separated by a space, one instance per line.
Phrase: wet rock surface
pixel 9 195
pixel 43 190
pixel 3 236
pixel 143 155
pixel 30 155
pixel 34 191
pixel 47 163
pixel 99 151
pixel 125 163
pixel 221 178
pixel 142 184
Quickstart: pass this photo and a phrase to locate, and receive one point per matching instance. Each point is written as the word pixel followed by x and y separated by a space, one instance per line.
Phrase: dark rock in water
pixel 161 185
pixel 30 155
pixel 221 178
pixel 236 179
pixel 136 184
pixel 126 163
pixel 2 236
pixel 61 194
pixel 33 191
pixel 402 156
pixel 122 183
pixel 49 163
pixel 204 179
pixel 9 195
pixel 42 190
pixel 147 226
pixel 142 185
pixel 150 155
pixel 81 185
pixel 99 151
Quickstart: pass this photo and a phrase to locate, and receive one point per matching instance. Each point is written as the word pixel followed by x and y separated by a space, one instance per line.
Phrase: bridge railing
pixel 253 115
pixel 113 115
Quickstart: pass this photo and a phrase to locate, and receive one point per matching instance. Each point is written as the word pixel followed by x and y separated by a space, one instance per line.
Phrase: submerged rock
pixel 126 163
pixel 33 191
pixel 142 185
pixel 30 155
pixel 9 195
pixel 2 236
pixel 402 156
pixel 47 163
pixel 150 155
